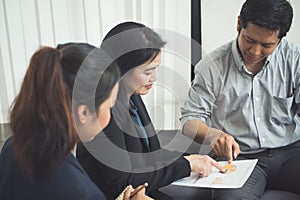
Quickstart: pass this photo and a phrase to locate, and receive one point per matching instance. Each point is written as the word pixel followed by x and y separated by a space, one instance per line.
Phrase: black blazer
pixel 119 156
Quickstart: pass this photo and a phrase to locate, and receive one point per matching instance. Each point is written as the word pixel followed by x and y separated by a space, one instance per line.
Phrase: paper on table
pixel 236 175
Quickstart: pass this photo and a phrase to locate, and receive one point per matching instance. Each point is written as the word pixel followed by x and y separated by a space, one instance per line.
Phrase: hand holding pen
pixel 136 194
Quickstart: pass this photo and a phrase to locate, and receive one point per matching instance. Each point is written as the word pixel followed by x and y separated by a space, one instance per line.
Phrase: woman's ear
pixel 83 114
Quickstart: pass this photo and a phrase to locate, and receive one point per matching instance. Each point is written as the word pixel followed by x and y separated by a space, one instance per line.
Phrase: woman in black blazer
pixel 128 151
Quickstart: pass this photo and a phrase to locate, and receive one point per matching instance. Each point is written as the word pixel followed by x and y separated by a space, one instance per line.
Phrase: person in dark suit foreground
pixel 36 162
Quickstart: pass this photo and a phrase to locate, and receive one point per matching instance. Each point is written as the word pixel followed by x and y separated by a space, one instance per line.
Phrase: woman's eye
pixel 147 73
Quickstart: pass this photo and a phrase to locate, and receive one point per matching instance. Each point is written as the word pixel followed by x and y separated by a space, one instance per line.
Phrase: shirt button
pixel 263 139
pixel 258 119
pixel 257 99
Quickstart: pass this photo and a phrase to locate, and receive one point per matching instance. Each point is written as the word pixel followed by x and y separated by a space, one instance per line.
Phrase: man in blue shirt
pixel 245 98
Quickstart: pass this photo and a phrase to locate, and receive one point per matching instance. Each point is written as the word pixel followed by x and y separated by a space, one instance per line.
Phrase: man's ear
pixel 238 26
pixel 83 114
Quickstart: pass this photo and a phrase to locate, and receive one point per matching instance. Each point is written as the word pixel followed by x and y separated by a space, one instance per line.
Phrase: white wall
pixel 219 20
pixel 27 24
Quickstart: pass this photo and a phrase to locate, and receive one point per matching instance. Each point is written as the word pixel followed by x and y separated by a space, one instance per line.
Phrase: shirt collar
pixel 236 55
pixel 132 107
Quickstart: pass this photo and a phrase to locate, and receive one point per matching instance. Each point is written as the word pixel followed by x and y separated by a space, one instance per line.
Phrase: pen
pixel 139 188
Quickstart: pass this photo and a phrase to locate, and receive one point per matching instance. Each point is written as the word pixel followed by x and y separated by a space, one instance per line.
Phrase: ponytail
pixel 41 118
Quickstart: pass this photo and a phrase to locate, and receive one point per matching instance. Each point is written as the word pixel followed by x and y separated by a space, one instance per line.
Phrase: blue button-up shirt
pixel 259 111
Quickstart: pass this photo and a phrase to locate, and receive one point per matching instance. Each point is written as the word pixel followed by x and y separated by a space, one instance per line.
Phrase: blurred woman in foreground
pixel 66 95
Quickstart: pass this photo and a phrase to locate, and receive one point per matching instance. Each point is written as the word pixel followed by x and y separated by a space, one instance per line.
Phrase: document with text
pixel 235 176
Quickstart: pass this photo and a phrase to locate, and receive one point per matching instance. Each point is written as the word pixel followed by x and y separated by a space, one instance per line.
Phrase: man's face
pixel 256 43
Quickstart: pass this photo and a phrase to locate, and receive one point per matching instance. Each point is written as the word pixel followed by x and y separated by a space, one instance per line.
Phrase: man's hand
pixel 226 146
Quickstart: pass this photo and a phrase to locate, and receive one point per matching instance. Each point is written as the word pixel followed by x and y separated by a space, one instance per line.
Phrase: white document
pixel 236 175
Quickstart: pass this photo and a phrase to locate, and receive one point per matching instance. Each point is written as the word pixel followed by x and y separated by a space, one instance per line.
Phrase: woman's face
pixel 91 125
pixel 139 80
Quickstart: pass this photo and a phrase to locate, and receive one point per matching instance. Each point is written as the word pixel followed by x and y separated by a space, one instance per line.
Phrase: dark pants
pixel 276 169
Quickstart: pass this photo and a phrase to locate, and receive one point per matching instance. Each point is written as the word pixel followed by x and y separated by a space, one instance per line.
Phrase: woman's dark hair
pixel 131 44
pixel 95 78
pixel 270 14
pixel 41 119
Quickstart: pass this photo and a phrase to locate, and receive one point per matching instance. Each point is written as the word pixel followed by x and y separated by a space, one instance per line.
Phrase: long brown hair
pixel 41 119
pixel 41 113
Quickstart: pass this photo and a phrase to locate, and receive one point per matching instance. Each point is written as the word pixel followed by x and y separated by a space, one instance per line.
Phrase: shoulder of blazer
pixel 114 133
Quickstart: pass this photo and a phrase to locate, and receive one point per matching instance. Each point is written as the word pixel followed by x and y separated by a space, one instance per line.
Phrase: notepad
pixel 236 175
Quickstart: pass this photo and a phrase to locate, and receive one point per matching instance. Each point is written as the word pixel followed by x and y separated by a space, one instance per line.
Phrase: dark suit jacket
pixel 68 182
pixel 119 156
